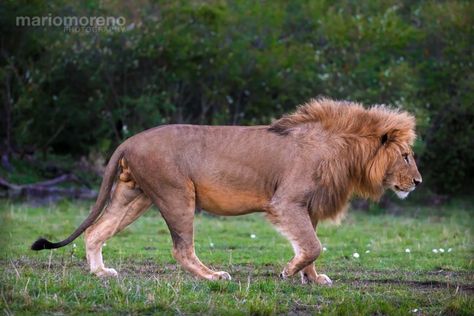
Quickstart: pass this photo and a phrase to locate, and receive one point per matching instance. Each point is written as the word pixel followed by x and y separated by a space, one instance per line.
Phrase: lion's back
pixel 228 165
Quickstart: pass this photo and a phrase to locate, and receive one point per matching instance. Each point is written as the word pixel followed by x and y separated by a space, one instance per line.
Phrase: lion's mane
pixel 356 145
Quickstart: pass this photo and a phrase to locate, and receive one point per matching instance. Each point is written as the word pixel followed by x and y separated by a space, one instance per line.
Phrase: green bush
pixel 242 62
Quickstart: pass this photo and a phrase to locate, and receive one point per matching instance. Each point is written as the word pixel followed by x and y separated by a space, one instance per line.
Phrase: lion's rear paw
pixel 221 275
pixel 106 272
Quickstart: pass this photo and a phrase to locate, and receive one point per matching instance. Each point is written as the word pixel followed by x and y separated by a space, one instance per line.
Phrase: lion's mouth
pixel 402 193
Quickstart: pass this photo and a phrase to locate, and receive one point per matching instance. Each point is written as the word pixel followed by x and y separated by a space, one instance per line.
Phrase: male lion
pixel 299 170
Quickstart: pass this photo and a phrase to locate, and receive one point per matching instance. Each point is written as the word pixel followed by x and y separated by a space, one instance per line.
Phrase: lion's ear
pixel 399 136
pixel 390 136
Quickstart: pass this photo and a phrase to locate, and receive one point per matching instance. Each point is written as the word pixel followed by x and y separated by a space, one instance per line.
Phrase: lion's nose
pixel 416 181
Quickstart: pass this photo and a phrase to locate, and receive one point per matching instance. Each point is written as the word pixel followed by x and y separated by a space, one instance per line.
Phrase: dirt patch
pixel 299 309
pixel 145 268
pixel 430 284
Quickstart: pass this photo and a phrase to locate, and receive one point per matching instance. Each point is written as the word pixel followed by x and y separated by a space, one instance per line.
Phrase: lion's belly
pixel 228 201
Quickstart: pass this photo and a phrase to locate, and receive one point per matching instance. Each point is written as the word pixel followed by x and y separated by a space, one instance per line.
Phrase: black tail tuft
pixel 41 244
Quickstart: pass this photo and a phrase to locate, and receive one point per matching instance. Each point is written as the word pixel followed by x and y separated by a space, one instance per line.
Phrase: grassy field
pixel 385 279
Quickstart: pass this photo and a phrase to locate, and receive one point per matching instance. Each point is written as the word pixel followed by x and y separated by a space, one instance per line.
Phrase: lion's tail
pixel 104 192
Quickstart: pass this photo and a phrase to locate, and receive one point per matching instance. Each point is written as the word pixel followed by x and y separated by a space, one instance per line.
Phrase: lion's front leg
pixel 309 274
pixel 297 227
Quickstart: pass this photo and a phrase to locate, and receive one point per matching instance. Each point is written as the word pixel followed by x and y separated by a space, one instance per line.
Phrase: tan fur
pixel 301 169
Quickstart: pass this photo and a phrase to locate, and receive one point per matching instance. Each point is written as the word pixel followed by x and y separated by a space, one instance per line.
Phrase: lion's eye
pixel 405 156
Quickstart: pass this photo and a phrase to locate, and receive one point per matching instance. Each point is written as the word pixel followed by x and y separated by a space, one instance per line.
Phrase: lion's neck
pixel 340 175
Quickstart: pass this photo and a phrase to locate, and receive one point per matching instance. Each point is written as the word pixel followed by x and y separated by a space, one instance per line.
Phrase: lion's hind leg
pixel 177 206
pixel 127 204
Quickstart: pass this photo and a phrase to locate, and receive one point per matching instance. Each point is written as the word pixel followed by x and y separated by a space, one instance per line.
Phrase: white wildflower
pixel 211 244
pixel 367 251
pixel 74 246
pixel 450 249
pixel 441 250
pixel 323 77
pixel 355 255
pixel 253 236
pixel 324 248
pixel 407 250
pixel 435 250
pixel 105 244
pixel 415 310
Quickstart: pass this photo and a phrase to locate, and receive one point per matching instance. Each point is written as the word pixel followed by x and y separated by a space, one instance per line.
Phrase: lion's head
pixel 393 165
pixel 402 176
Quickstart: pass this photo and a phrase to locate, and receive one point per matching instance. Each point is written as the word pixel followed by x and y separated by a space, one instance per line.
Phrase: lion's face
pixel 403 176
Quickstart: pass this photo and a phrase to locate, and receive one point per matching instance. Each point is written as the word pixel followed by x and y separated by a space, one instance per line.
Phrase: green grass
pixel 387 280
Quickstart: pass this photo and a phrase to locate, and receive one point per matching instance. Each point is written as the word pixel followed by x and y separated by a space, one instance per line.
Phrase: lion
pixel 301 169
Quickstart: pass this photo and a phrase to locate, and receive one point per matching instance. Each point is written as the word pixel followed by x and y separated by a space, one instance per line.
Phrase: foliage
pixel 242 62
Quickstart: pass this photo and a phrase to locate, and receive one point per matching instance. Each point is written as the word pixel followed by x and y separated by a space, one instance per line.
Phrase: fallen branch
pixel 57 180
pixel 47 189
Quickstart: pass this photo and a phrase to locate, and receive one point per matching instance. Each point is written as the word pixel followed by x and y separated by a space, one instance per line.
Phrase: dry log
pixel 46 189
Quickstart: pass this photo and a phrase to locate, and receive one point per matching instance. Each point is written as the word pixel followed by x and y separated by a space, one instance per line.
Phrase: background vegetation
pixel 236 62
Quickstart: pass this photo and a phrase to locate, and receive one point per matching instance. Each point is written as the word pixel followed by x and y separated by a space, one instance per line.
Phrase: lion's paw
pixel 221 275
pixel 106 272
pixel 283 275
pixel 323 279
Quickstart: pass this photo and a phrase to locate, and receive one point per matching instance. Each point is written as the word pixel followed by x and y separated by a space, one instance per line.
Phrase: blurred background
pixel 69 97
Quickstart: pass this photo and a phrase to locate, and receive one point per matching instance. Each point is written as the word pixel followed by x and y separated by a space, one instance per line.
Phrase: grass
pixel 387 280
